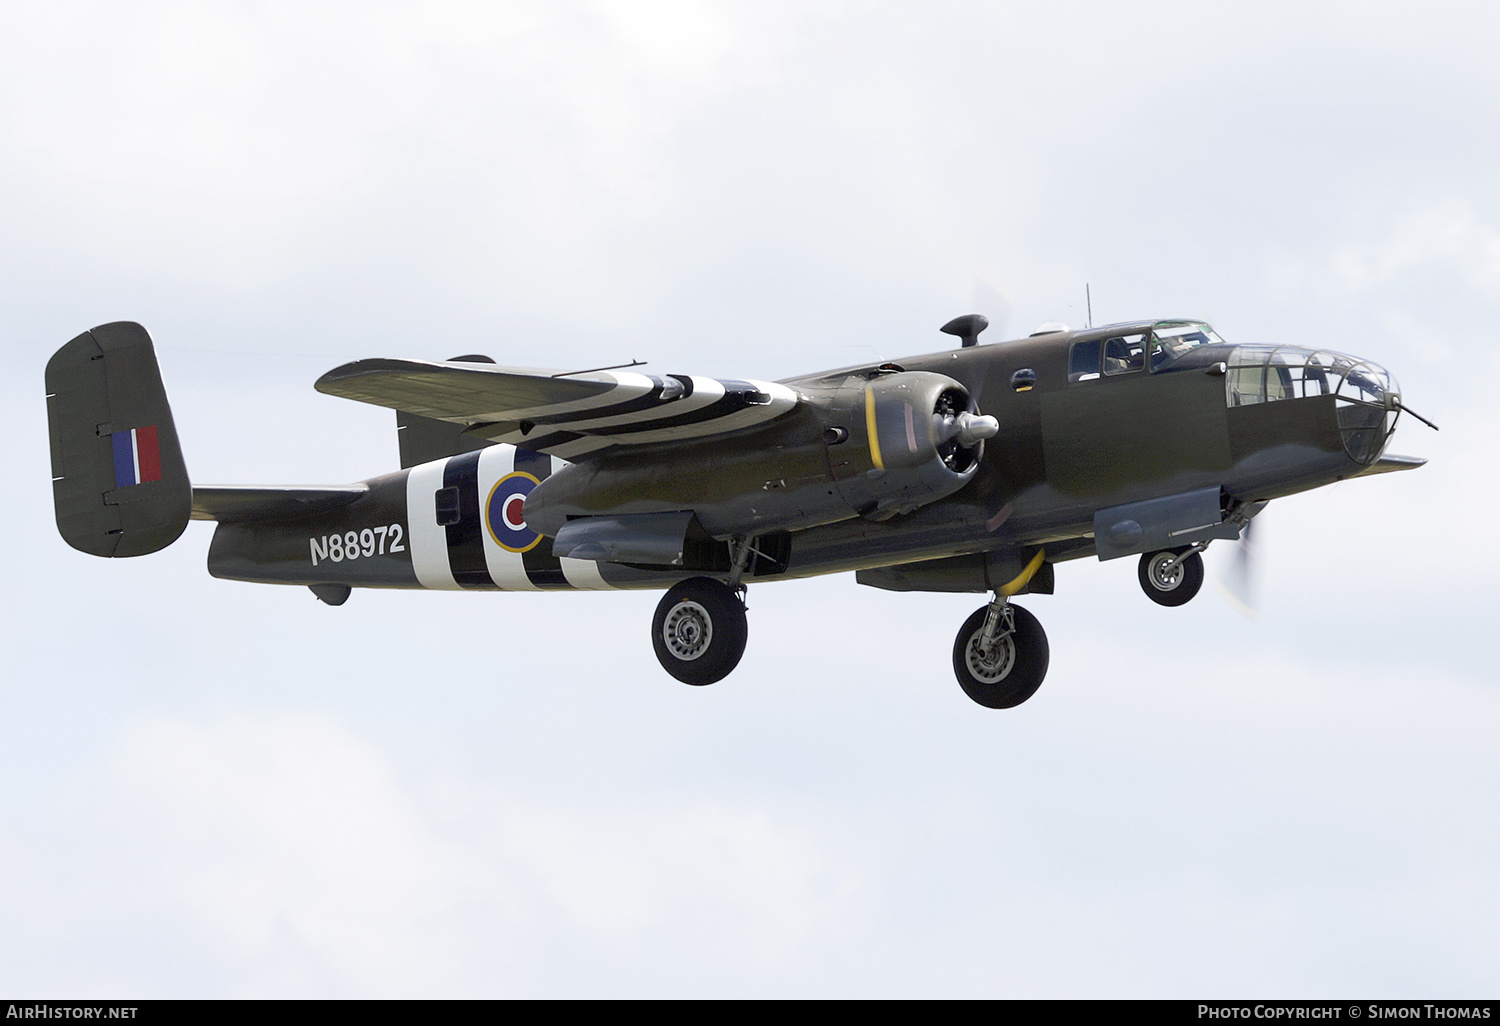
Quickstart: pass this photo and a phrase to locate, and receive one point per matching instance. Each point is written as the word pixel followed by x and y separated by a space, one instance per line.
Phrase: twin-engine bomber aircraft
pixel 975 469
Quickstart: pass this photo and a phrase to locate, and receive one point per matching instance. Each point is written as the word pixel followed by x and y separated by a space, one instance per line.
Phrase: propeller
pixel 988 297
pixel 1239 580
pixel 998 309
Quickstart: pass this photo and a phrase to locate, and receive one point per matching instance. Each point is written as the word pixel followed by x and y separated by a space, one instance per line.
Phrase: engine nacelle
pixel 923 441
pixel 873 445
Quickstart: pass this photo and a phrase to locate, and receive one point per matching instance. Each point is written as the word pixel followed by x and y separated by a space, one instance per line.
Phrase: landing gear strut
pixel 1000 656
pixel 1173 577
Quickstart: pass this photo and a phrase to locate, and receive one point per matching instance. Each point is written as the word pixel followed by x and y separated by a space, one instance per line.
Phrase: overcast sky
pixel 221 789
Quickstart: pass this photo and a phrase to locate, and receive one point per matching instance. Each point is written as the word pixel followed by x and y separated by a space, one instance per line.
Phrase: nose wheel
pixel 699 630
pixel 1173 577
pixel 1000 656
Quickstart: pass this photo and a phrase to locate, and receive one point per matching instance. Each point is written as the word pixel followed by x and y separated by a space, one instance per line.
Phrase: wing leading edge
pixel 565 415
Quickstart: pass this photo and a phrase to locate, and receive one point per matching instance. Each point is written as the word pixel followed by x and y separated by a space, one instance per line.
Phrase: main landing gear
pixel 699 630
pixel 1172 577
pixel 1000 656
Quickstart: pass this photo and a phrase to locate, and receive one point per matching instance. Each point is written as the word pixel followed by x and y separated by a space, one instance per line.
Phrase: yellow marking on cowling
pixel 870 428
pixel 1024 577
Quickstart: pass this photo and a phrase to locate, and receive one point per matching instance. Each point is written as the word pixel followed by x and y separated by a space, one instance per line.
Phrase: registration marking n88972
pixel 350 545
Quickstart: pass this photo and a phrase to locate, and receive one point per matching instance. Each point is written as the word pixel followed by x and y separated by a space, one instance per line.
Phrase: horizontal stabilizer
pixel 230 504
pixel 119 485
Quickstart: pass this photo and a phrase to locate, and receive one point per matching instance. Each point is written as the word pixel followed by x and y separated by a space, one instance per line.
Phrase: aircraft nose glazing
pixel 1366 399
pixel 1367 403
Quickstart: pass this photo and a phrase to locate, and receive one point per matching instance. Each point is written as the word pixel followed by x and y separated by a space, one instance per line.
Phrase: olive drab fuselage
pixel 834 486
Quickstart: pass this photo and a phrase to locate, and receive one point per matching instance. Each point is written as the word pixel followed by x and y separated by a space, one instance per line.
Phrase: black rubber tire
pixel 1027 669
pixel 1186 579
pixel 699 630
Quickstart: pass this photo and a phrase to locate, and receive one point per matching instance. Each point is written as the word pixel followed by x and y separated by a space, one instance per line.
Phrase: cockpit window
pixel 1128 353
pixel 1083 365
pixel 1171 340
pixel 1124 354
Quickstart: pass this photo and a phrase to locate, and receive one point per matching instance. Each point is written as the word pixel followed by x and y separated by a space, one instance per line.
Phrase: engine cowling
pixel 923 439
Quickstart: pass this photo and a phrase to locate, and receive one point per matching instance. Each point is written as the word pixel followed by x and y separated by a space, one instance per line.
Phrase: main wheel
pixel 1013 668
pixel 699 630
pixel 1170 585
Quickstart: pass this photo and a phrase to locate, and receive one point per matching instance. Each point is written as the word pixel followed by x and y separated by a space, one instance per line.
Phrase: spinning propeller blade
pixel 1238 584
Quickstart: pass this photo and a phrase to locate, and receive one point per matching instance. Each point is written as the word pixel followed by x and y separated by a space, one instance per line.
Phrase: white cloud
pixel 641 873
pixel 287 828
pixel 1451 236
pixel 239 146
pixel 289 848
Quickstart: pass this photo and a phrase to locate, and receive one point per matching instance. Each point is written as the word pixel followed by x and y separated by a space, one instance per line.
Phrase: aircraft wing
pixel 565 414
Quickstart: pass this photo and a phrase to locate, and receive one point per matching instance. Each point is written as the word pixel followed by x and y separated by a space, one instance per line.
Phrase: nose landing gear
pixel 1000 656
pixel 1172 577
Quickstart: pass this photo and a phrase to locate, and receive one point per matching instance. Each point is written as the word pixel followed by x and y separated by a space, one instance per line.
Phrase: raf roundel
pixel 502 513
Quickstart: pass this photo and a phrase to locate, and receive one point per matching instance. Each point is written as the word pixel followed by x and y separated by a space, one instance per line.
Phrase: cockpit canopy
pixel 1173 340
pixel 1166 342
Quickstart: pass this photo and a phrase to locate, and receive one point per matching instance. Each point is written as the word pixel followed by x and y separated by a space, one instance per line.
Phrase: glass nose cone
pixel 1365 398
pixel 1367 402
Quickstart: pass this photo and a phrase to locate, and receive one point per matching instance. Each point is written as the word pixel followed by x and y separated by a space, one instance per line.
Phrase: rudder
pixel 119 484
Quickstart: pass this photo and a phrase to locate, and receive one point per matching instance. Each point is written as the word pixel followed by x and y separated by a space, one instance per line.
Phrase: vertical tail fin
pixel 119 484
pixel 424 439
